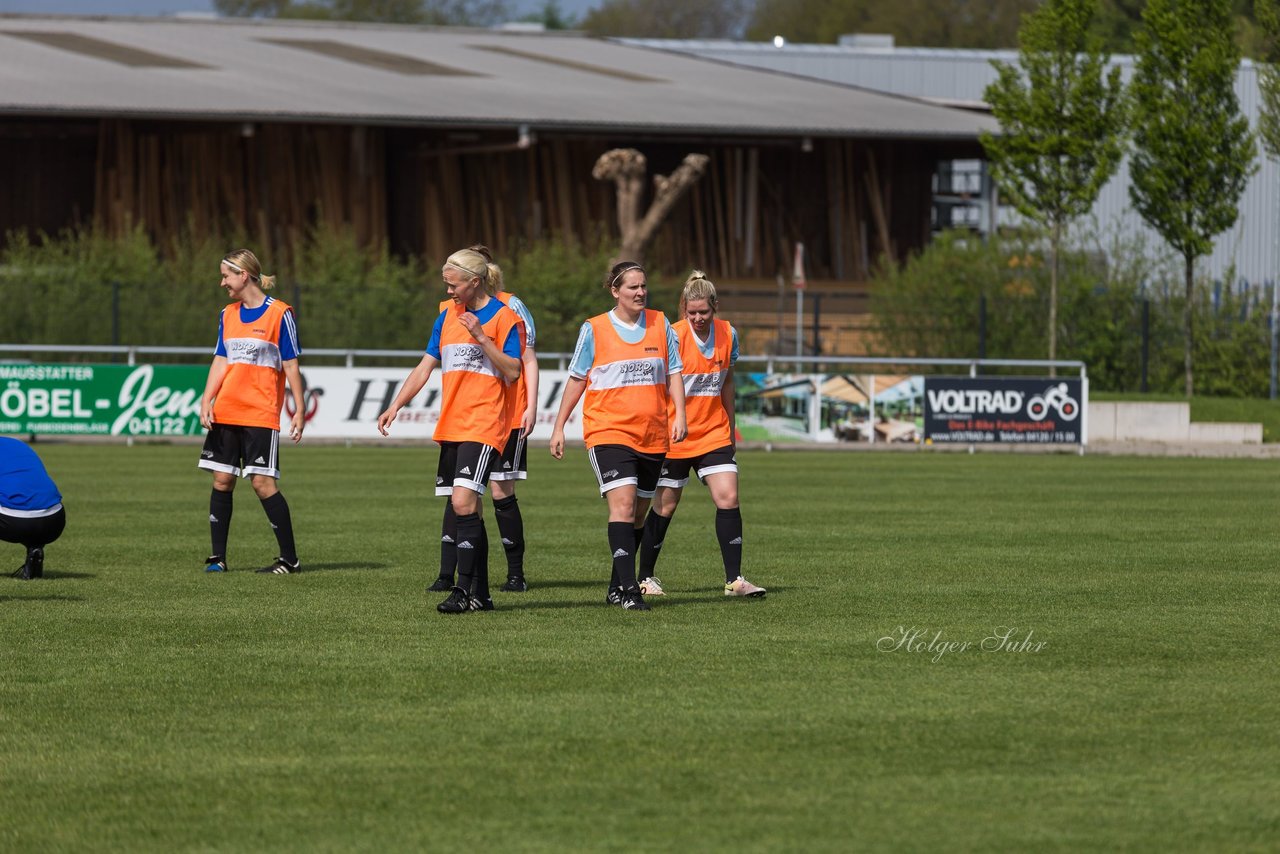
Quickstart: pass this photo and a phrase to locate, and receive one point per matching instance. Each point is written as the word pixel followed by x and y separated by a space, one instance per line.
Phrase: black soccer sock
pixel 729 533
pixel 511 529
pixel 655 531
pixel 448 542
pixel 622 544
pixel 470 531
pixel 480 587
pixel 219 521
pixel 278 515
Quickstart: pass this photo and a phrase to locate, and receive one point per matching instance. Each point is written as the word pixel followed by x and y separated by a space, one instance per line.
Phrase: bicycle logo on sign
pixel 1068 407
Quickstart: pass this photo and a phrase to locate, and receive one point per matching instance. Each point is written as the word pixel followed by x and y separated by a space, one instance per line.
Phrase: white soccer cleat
pixel 741 587
pixel 651 587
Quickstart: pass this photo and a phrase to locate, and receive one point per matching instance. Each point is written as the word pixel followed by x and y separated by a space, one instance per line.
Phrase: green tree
pixel 435 12
pixel 250 8
pixel 930 23
pixel 1063 124
pixel 1194 151
pixel 552 17
pixel 667 19
pixel 1119 21
pixel 1268 15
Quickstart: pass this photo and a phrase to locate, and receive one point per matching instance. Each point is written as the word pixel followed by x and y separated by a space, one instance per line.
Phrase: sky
pixel 168 7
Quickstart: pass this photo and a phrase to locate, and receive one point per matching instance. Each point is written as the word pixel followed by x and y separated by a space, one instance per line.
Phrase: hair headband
pixel 614 283
pixel 483 275
pixel 233 265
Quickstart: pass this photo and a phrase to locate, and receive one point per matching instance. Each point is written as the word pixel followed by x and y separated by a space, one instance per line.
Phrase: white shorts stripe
pixel 210 465
pixel 709 470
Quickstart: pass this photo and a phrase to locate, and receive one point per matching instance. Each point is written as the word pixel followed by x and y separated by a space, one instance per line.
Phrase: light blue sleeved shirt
pixel 530 333
pixel 708 347
pixel 584 353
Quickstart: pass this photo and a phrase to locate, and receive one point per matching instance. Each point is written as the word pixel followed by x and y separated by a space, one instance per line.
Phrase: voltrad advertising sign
pixel 976 410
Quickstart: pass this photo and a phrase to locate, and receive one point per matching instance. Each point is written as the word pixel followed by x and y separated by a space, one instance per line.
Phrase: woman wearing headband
pixel 708 348
pixel 257 351
pixel 627 363
pixel 476 343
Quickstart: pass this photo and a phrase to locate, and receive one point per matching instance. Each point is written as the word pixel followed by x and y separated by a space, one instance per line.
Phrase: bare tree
pixel 626 167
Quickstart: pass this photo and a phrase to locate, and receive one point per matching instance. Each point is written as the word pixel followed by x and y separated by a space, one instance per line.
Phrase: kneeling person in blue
pixel 31 512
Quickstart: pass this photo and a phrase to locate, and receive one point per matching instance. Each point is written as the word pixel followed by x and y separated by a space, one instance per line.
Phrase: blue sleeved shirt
pixel 289 348
pixel 510 347
pixel 584 353
pixel 25 487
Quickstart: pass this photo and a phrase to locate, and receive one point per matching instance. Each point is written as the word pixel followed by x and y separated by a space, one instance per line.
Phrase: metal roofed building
pixel 436 137
pixel 959 78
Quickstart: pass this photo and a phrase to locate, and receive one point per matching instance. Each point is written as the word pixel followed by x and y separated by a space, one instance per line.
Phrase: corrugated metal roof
pixel 552 81
pixel 1250 248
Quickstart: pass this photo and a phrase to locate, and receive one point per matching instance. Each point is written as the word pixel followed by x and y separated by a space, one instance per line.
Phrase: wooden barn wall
pixel 46 175
pixel 269 182
pixel 428 191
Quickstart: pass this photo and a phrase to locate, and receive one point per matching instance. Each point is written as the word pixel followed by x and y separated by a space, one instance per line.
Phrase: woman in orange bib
pixel 476 343
pixel 257 351
pixel 513 465
pixel 708 349
pixel 627 363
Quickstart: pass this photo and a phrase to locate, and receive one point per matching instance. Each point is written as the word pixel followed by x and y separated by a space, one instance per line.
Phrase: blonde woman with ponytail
pixel 476 342
pixel 708 348
pixel 514 463
pixel 257 351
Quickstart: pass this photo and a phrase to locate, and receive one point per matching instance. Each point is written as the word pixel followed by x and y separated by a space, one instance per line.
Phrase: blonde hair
pixel 494 283
pixel 244 261
pixel 495 278
pixel 697 287
pixel 472 262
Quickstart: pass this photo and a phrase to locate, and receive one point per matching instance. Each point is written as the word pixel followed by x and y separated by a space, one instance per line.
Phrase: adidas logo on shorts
pixel 465 544
pixel 439 480
pixel 506 465
pixel 465 470
pixel 446 539
pixel 621 553
pixel 260 461
pixel 610 473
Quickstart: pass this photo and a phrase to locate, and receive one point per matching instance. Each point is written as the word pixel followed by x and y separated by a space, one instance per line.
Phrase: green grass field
pixel 149 706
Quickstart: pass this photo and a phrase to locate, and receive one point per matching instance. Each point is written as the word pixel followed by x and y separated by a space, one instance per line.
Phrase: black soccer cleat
pixel 459 602
pixel 35 562
pixel 614 596
pixel 633 600
pixel 515 584
pixel 480 603
pixel 282 567
pixel 440 585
